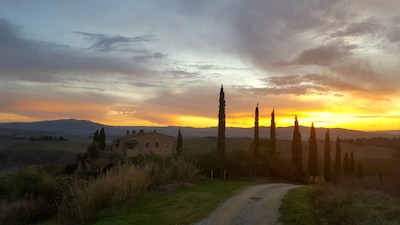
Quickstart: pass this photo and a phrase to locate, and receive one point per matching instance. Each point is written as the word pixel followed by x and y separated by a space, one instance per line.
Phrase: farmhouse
pixel 143 142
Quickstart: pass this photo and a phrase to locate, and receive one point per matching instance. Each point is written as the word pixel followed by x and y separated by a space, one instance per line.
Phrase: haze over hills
pixel 72 127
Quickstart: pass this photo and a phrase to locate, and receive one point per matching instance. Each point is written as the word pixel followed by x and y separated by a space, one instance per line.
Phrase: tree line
pixel 330 173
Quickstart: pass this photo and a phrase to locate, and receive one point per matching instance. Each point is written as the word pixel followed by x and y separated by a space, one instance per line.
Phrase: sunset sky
pixel 126 62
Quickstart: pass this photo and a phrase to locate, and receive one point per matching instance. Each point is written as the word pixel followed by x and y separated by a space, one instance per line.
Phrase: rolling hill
pixel 85 128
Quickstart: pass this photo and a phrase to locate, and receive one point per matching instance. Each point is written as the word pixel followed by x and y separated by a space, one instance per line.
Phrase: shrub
pixel 84 199
pixel 29 182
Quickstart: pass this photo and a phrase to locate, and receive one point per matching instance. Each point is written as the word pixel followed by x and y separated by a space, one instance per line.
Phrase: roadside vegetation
pixel 184 204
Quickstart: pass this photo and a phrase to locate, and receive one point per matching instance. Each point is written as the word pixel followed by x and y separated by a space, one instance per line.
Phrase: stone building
pixel 144 143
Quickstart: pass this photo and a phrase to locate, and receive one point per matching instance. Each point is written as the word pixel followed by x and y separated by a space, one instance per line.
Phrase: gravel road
pixel 257 205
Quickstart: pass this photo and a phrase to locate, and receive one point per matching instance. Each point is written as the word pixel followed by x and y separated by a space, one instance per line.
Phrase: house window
pixel 157 144
pixel 147 145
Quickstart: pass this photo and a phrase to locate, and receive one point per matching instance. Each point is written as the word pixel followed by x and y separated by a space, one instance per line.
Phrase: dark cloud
pixel 324 55
pixel 21 58
pixel 107 43
pixel 368 26
pixel 393 35
pixel 148 56
pixel 308 84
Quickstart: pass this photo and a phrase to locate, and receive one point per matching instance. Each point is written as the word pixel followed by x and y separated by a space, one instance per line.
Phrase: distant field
pixel 24 152
pixel 16 153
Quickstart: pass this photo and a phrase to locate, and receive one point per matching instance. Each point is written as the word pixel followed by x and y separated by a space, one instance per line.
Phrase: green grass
pixel 297 209
pixel 184 206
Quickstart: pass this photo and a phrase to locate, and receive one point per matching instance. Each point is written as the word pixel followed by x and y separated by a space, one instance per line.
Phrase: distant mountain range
pixel 72 127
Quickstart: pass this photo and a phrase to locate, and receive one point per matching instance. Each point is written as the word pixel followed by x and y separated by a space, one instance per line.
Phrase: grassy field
pixel 297 209
pixel 182 206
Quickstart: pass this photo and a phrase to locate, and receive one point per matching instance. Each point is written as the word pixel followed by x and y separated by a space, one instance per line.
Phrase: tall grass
pixel 335 205
pixel 167 169
pixel 85 198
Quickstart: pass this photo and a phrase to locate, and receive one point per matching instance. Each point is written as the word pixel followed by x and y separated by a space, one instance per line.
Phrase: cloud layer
pixel 152 63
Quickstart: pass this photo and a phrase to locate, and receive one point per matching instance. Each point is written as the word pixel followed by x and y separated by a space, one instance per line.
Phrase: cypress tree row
pixel 221 125
pixel 327 157
pixel 346 165
pixel 297 153
pixel 273 133
pixel 313 154
pixel 337 169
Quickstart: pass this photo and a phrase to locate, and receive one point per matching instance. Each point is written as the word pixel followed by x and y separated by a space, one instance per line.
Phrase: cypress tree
pixel 313 154
pixel 179 143
pixel 256 136
pixel 297 153
pixel 96 137
pixel 221 125
pixel 273 133
pixel 337 169
pixel 102 139
pixel 352 165
pixel 327 157
pixel 346 165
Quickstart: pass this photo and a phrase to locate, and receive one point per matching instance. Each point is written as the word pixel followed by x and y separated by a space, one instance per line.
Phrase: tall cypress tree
pixel 346 165
pixel 313 154
pixel 337 168
pixel 352 165
pixel 179 143
pixel 273 133
pixel 327 157
pixel 256 136
pixel 297 152
pixel 102 139
pixel 221 125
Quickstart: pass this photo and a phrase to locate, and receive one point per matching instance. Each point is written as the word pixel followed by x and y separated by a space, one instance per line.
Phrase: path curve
pixel 256 205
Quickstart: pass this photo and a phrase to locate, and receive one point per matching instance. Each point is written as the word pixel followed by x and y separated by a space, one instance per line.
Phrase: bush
pixel 29 182
pixel 84 199
pixel 28 195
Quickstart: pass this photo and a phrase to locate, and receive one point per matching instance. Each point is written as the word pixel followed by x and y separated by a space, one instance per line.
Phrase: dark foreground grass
pixel 297 209
pixel 345 206
pixel 183 206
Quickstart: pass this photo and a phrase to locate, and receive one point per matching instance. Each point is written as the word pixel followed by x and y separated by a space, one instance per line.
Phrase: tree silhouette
pixel 221 125
pixel 273 133
pixel 352 165
pixel 256 136
pixel 179 143
pixel 337 169
pixel 297 153
pixel 313 154
pixel 346 165
pixel 102 139
pixel 96 137
pixel 327 157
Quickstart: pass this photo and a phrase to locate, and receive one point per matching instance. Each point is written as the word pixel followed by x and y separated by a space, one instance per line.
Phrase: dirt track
pixel 256 205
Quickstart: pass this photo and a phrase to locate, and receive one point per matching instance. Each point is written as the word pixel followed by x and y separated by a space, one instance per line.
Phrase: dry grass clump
pixel 335 205
pixel 171 170
pixel 85 198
